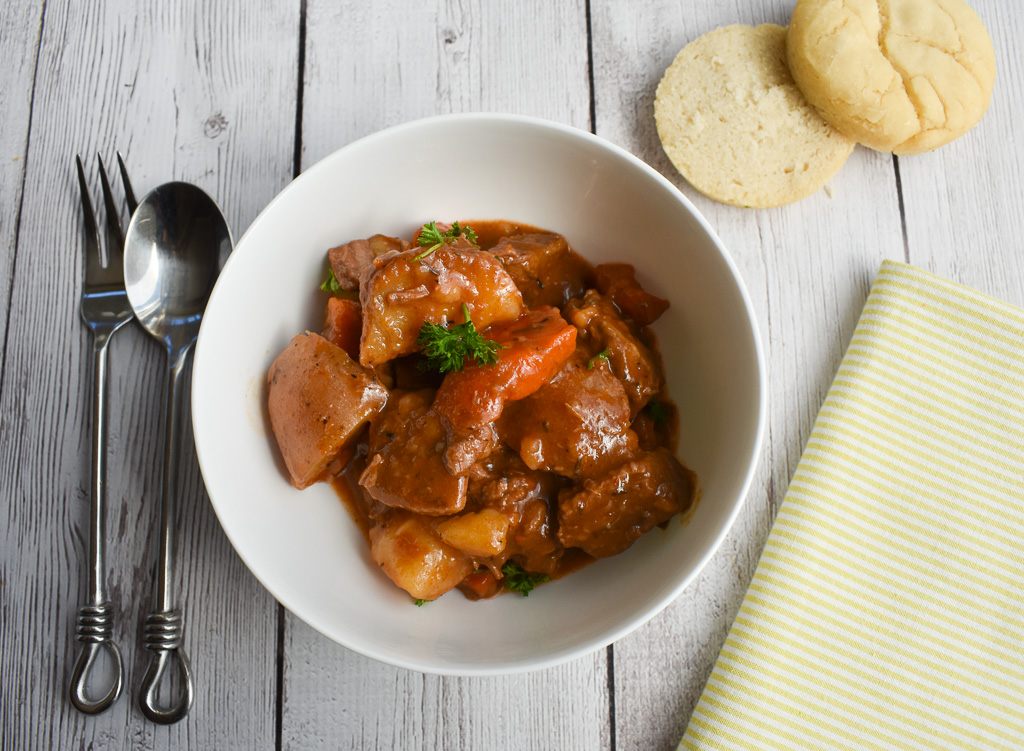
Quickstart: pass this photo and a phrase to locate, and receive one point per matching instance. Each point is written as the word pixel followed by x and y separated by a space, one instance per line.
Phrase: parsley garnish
pixel 602 355
pixel 446 348
pixel 420 602
pixel 521 581
pixel 657 411
pixel 432 236
pixel 331 282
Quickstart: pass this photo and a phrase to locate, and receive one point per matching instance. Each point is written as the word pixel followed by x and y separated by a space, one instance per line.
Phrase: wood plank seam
pixel 21 198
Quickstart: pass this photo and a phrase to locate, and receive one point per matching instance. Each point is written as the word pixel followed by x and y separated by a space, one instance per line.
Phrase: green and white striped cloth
pixel 887 610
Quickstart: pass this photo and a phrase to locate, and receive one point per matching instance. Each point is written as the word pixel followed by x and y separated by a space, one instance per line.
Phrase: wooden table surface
pixel 239 97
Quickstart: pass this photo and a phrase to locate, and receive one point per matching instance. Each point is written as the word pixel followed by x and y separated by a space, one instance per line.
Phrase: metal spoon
pixel 176 243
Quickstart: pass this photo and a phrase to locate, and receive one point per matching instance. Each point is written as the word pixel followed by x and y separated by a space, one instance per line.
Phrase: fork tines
pixel 95 270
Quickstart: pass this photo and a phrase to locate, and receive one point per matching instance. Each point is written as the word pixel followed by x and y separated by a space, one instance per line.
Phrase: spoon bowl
pixel 175 246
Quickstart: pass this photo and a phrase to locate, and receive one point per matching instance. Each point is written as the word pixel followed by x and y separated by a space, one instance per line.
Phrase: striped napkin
pixel 887 610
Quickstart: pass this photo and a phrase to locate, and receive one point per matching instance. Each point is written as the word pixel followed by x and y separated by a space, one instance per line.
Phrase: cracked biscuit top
pixel 905 76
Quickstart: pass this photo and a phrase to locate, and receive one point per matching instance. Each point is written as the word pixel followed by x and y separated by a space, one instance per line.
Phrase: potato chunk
pixel 318 398
pixel 409 551
pixel 480 533
pixel 401 293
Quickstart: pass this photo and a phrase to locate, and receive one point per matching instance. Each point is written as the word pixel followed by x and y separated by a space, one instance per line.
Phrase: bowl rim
pixel 593 644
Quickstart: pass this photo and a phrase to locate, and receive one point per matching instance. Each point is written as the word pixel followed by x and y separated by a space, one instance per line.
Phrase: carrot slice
pixel 344 325
pixel 536 346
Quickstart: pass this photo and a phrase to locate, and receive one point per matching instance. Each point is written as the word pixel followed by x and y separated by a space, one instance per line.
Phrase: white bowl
pixel 304 547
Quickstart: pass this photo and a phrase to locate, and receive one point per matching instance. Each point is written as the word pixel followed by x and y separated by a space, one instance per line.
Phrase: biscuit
pixel 904 76
pixel 736 126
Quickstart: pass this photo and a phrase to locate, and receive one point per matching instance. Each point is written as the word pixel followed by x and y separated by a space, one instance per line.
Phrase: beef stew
pixel 547 442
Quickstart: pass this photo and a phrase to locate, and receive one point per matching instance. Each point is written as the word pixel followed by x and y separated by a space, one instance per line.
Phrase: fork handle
pixel 93 629
pixel 95 619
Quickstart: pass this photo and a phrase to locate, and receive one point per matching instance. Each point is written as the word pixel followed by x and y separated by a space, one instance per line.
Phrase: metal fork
pixel 105 309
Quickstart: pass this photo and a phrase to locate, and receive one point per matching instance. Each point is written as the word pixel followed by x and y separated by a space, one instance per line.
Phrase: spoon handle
pixel 163 627
pixel 95 621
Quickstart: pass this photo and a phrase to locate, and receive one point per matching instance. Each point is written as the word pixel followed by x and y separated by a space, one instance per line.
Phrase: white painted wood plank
pixel 336 699
pixel 197 91
pixel 416 59
pixel 18 49
pixel 965 216
pixel 807 268
pixel 411 60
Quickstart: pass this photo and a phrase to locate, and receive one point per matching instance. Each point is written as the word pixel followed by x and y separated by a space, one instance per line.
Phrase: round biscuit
pixel 735 125
pixel 904 76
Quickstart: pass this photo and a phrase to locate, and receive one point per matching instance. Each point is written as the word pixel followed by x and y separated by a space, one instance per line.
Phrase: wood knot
pixel 215 125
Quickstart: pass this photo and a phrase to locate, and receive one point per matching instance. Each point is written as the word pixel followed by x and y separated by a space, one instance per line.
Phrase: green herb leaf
pixel 433 238
pixel 519 580
pixel 602 355
pixel 466 231
pixel 420 602
pixel 446 348
pixel 331 282
pixel 657 411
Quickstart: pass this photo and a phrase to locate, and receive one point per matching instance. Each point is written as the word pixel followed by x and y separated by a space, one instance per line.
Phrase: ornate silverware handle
pixel 94 625
pixel 162 636
pixel 163 627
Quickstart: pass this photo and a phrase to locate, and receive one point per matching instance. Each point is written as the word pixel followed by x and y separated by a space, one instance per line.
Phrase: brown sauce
pixel 560 452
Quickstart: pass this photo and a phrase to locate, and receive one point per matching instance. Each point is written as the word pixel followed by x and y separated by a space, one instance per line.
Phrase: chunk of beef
pixel 534 542
pixel 410 375
pixel 604 516
pixel 545 268
pixel 411 553
pixel 318 399
pixel 617 281
pixel 400 293
pixel 467 447
pixel 534 347
pixel 405 465
pixel 502 481
pixel 351 260
pixel 603 330
pixel 577 425
pixel 656 424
